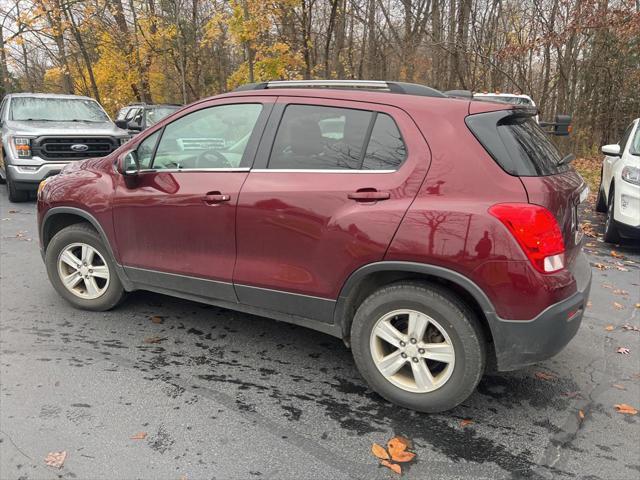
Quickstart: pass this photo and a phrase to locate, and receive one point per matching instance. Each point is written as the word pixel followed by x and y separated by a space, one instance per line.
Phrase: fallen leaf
pixel 398 444
pixel 379 452
pixel 545 376
pixel 581 414
pixel 403 457
pixel 637 305
pixel 156 319
pixel 626 409
pixel 153 340
pixel 13 211
pixel 623 350
pixel 607 285
pixel 600 266
pixel 622 269
pixel 589 304
pixel 55 459
pixel 465 422
pixel 392 466
pixel 615 254
pixel 609 328
pixel 618 386
pixel 619 291
pixel 631 328
pixel 570 394
pixel 618 306
pixel 139 436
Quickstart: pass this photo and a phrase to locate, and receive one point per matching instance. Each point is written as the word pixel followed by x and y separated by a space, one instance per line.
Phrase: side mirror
pixel 121 124
pixel 135 125
pixel 612 150
pixel 562 125
pixel 128 165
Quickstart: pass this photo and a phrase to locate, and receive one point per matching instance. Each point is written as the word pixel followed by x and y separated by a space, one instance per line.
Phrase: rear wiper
pixel 567 159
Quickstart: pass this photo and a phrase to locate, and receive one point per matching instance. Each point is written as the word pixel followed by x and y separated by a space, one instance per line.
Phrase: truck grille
pixel 64 148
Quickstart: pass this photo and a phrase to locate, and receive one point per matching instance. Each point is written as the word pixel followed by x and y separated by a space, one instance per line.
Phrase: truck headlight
pixel 22 147
pixel 631 175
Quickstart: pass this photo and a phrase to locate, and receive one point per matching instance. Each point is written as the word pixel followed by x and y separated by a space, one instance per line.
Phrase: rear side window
pixel 313 137
pixel 517 143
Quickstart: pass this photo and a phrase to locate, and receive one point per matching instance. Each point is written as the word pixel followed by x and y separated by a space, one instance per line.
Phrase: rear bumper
pixel 522 342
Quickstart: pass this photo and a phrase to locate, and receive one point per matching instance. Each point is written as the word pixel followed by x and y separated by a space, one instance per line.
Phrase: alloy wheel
pixel 412 351
pixel 83 271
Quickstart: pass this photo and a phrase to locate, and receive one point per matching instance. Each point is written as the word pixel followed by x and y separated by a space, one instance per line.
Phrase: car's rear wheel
pixel 611 234
pixel 15 195
pixel 418 346
pixel 81 270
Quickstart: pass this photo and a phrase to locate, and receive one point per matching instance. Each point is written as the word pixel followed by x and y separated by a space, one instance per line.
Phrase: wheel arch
pixel 58 218
pixel 369 278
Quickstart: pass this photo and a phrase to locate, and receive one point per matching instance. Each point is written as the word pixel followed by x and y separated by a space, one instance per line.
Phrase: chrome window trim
pixel 310 170
pixel 180 170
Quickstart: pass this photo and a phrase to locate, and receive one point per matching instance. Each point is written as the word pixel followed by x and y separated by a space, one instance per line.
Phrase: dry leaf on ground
pixel 618 306
pixel 615 254
pixel 153 339
pixel 600 266
pixel 379 452
pixel 581 414
pixel 637 305
pixel 466 421
pixel 571 394
pixel 619 291
pixel 623 350
pixel 139 436
pixel 398 444
pixel 544 376
pixel 403 457
pixel 618 386
pixel 631 328
pixel 609 328
pixel 157 319
pixel 626 409
pixel 55 459
pixel 392 466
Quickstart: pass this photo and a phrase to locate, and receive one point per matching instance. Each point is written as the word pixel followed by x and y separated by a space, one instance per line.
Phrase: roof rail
pixel 374 85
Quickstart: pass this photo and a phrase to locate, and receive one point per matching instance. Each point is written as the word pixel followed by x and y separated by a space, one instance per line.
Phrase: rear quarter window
pixel 517 143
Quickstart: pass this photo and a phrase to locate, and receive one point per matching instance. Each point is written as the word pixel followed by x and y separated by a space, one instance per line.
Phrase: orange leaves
pixel 609 328
pixel 544 376
pixel 625 409
pixel 379 452
pixel 396 451
pixel 55 459
pixel 139 436
pixel 465 422
pixel 623 350
pixel 156 319
pixel 615 254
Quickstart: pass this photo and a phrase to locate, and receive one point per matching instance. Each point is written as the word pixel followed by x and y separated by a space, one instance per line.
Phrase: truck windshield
pixel 57 110
pixel 155 114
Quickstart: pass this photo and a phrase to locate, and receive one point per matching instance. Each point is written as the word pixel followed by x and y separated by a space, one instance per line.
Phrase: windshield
pixel 57 109
pixel 634 148
pixel 154 114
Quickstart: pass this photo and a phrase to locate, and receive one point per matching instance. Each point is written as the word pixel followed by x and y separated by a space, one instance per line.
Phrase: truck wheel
pixel 611 234
pixel 418 346
pixel 81 270
pixel 15 195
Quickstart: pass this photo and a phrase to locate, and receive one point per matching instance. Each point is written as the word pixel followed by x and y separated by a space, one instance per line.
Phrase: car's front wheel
pixel 418 346
pixel 81 270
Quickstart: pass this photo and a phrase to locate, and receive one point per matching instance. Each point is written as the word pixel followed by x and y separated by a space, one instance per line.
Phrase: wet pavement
pixel 227 395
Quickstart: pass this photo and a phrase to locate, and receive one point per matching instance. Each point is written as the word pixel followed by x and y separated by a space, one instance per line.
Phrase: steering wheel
pixel 212 159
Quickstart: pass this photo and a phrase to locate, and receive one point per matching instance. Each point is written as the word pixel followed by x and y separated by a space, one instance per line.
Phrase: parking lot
pixel 210 393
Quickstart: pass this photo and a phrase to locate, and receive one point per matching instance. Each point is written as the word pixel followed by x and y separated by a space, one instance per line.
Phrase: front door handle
pixel 214 198
pixel 369 195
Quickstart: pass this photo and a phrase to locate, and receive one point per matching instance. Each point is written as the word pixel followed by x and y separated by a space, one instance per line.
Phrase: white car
pixel 619 194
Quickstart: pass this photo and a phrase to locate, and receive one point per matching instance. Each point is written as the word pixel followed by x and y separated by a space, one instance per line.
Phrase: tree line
pixel 580 57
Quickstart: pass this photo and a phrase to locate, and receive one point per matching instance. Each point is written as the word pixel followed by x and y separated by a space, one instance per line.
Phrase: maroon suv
pixel 436 236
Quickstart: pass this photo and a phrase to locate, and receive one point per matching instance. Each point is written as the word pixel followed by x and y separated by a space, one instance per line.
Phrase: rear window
pixel 517 143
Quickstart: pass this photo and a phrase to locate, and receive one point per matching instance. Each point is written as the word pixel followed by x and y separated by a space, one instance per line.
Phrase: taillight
pixel 536 230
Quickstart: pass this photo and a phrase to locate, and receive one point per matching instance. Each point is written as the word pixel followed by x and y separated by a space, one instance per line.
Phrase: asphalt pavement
pixel 215 394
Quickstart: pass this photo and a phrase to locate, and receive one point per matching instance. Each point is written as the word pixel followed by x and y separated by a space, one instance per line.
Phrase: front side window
pixel 145 150
pixel 312 137
pixel 56 110
pixel 634 148
pixel 214 137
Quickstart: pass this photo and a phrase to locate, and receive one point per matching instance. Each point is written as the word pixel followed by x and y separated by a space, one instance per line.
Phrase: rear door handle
pixel 213 198
pixel 369 195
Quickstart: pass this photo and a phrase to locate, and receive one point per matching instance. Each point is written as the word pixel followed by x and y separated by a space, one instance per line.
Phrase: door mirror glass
pixel 121 124
pixel 612 150
pixel 129 164
pixel 135 123
pixel 562 125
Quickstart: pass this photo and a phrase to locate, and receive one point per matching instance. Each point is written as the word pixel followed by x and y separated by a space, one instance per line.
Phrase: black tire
pixel 452 314
pixel 83 233
pixel 15 195
pixel 601 203
pixel 611 234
